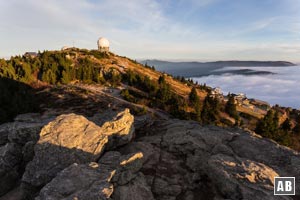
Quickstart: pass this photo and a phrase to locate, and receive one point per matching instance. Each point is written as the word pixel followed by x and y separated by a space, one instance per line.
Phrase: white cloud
pixel 276 89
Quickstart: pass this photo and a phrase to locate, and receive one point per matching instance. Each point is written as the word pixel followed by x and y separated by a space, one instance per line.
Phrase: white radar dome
pixel 103 42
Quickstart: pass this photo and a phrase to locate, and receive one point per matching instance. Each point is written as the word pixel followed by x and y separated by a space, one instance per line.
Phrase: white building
pixel 217 91
pixel 103 44
pixel 65 48
pixel 31 54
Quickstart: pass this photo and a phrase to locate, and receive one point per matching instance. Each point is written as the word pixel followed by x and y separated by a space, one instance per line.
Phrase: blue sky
pixel 175 30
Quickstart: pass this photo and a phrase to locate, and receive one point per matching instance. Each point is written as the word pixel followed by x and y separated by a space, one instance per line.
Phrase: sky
pixel 201 30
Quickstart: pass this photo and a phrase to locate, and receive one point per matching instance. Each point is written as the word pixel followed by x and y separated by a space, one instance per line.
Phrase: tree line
pixel 52 68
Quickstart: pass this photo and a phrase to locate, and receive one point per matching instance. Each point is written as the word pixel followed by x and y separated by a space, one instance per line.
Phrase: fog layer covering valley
pixel 280 87
pixel 273 81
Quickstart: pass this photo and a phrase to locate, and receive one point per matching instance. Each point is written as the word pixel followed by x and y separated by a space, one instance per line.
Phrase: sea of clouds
pixel 281 88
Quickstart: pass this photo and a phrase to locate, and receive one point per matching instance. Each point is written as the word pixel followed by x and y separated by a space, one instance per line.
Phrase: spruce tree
pixel 193 97
pixel 209 111
pixel 230 107
pixel 286 125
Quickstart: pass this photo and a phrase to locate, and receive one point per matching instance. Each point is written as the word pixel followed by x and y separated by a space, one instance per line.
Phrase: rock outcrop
pixel 16 142
pixel 183 160
pixel 98 181
pixel 80 181
pixel 72 139
pixel 66 140
pixel 74 158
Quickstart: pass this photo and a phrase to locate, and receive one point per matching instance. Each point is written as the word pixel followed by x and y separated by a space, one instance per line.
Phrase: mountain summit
pixel 85 124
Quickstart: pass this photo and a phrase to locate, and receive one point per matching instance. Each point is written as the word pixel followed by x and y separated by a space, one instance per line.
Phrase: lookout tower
pixel 103 44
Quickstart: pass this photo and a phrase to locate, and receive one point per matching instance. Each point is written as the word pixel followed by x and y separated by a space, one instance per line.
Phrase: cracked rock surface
pixel 187 161
pixel 72 157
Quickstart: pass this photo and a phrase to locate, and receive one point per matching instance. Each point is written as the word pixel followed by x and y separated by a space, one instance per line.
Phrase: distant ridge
pixel 188 69
pixel 228 63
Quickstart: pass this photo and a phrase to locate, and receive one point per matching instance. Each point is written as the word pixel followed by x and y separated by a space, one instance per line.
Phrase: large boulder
pixel 72 139
pixel 68 139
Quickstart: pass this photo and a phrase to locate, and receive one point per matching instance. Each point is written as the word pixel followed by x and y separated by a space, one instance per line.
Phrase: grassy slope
pixel 123 63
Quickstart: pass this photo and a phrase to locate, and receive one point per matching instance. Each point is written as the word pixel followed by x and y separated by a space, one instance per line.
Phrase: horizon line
pixel 170 59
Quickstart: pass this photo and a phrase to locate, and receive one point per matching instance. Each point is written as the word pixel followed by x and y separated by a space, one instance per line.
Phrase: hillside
pixel 78 121
pixel 52 73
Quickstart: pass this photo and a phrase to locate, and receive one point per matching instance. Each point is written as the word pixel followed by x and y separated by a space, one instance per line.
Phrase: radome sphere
pixel 103 44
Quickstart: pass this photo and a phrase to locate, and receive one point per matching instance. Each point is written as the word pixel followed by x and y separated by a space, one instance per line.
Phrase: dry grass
pixel 123 63
pixel 258 115
pixel 180 88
